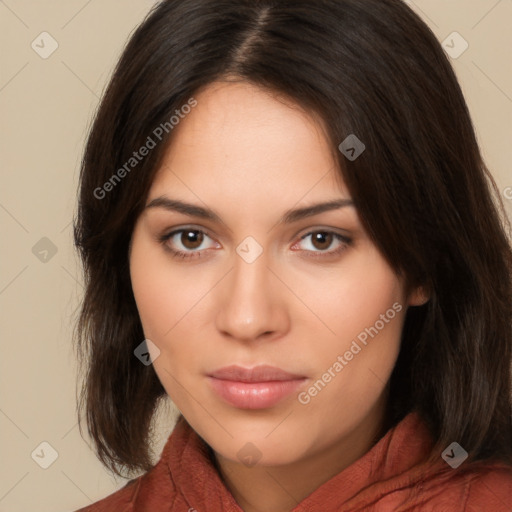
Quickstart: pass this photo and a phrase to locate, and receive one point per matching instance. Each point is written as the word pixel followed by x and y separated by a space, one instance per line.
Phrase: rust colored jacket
pixel 388 478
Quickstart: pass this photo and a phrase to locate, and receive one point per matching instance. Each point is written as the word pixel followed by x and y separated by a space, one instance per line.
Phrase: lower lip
pixel 254 395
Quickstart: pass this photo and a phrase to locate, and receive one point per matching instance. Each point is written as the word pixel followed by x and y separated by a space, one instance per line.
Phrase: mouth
pixel 260 387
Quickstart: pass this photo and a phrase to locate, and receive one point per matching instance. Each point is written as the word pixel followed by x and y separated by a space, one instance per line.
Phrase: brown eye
pixel 191 239
pixel 322 244
pixel 321 240
pixel 187 243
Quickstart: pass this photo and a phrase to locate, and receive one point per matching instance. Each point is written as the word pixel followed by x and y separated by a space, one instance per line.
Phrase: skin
pixel 251 156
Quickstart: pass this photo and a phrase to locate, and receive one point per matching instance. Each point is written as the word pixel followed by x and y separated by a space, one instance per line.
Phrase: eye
pixel 323 243
pixel 186 242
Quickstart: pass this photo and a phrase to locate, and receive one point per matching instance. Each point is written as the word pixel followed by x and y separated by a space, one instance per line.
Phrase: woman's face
pixel 262 278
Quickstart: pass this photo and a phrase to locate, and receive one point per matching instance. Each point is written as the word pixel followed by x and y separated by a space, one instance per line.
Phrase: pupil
pixel 192 239
pixel 322 240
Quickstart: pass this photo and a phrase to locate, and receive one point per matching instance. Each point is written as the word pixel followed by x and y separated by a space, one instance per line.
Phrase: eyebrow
pixel 289 217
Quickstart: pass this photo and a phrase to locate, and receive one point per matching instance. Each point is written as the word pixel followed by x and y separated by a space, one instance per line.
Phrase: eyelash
pixel 163 239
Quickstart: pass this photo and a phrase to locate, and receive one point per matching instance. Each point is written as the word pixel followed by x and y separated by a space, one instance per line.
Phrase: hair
pixel 371 68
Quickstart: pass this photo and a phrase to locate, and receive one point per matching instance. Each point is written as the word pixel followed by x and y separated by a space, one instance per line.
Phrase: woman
pixel 287 227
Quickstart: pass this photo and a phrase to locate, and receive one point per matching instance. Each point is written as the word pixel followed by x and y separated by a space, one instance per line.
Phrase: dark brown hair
pixel 366 67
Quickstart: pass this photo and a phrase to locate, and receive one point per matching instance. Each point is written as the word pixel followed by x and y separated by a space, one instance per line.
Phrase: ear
pixel 418 297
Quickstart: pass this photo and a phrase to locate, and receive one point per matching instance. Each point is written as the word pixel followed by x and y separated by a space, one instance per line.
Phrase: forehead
pixel 246 145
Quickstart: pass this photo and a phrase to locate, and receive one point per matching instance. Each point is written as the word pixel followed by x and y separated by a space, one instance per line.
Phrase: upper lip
pixel 261 373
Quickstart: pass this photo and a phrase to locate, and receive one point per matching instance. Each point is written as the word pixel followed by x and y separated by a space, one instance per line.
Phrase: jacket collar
pixel 393 463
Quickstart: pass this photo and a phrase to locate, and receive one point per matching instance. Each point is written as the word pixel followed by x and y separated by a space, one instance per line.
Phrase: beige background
pixel 45 110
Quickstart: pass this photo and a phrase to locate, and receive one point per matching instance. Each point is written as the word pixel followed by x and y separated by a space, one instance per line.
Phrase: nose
pixel 251 303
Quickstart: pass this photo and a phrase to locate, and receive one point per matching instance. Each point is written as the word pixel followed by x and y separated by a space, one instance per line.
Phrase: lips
pixel 262 373
pixel 259 387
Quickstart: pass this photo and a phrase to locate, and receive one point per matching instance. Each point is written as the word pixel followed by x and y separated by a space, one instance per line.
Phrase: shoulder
pixel 153 490
pixel 156 489
pixel 482 487
pixel 490 489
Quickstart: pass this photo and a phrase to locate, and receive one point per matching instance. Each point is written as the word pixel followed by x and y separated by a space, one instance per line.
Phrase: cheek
pixel 163 302
pixel 164 296
pixel 155 298
pixel 365 309
pixel 352 375
pixel 352 298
